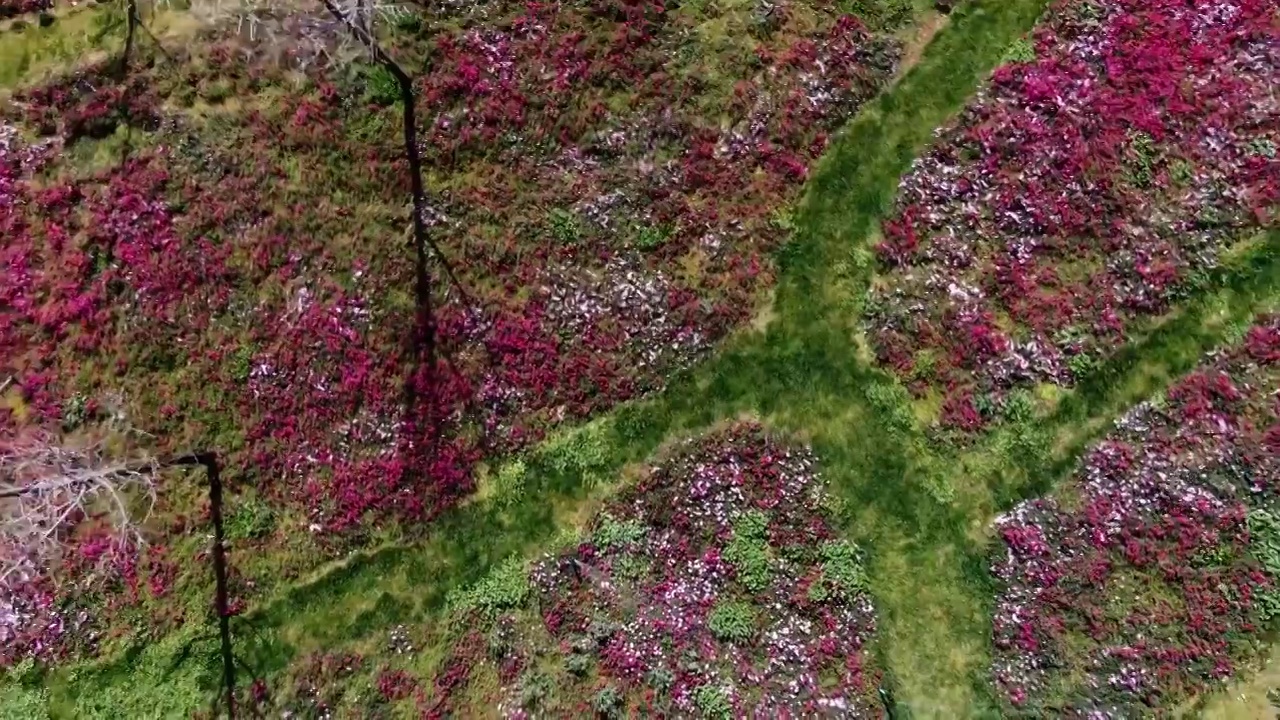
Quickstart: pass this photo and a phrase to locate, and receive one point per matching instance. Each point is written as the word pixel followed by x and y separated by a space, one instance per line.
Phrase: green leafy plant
pixel 651 238
pixel 632 422
pixel 248 517
pixel 1181 171
pixel 660 679
pixel 631 567
pixel 509 482
pixel 583 450
pixel 818 591
pixel 607 702
pixel 505 587
pixel 1262 146
pixel 1089 11
pixel 1143 158
pixel 564 226
pixel 1264 544
pixel 1018 406
pixel 1082 365
pixel 613 533
pixel 893 403
pixel 217 92
pixel 578 664
pixel 499 642
pixel 1025 443
pixel 835 507
pixel 748 551
pixel 22 703
pixel 842 565
pixel 368 126
pixel 1019 51
pixel 985 404
pixel 241 363
pixel 1216 556
pixel 535 688
pixel 880 14
pixel 732 620
pixel 21 698
pixel 784 220
pixel 712 702
pixel 407 22
pixel 938 486
pixel 380 86
pixel 74 412
pixel 601 629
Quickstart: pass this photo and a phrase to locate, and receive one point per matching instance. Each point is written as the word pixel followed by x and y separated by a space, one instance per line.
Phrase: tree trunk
pixel 220 598
pixel 131 30
pixel 423 343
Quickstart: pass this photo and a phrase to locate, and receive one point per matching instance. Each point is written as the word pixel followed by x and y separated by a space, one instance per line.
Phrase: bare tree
pixel 47 486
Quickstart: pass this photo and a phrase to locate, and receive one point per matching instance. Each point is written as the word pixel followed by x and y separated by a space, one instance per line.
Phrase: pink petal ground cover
pixel 1084 190
pixel 607 189
pixel 1153 573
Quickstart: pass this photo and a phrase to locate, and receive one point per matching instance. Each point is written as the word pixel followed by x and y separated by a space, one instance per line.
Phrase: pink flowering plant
pixel 1153 574
pixel 1114 162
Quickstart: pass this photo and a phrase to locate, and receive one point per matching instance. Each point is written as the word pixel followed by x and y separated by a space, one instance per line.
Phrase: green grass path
pixel 920 513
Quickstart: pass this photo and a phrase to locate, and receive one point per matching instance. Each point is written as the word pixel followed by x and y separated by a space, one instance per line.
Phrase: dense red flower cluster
pixel 714 586
pixel 14 8
pixel 396 685
pixel 1152 574
pixel 89 105
pixel 1082 191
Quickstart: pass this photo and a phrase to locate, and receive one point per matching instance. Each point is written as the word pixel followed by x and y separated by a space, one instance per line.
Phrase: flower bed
pixel 716 586
pixel 245 276
pixel 1097 179
pixel 1153 574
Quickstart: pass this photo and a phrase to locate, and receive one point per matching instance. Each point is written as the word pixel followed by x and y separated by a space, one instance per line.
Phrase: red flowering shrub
pixel 1080 192
pixel 1151 576
pixel 617 197
pixel 714 585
